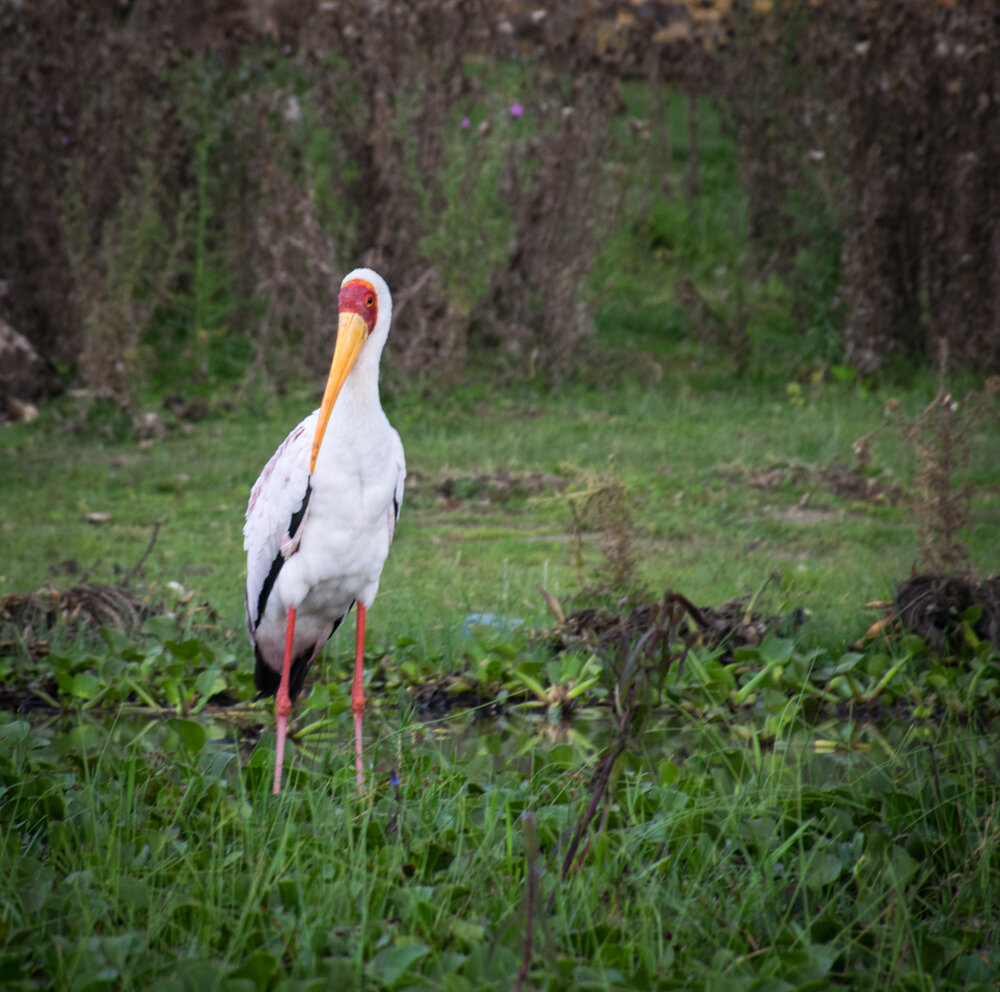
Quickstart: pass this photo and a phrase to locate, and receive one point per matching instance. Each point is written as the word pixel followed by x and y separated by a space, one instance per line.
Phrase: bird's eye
pixel 369 301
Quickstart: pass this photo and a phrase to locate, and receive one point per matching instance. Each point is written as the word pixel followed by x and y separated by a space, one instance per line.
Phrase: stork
pixel 322 514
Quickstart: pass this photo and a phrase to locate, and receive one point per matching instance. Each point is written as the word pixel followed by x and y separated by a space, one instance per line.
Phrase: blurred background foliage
pixel 184 183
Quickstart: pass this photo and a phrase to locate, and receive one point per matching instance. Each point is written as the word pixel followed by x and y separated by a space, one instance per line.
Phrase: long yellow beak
pixel 351 335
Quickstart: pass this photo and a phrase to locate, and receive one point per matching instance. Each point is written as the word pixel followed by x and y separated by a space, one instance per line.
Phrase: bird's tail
pixel 266 680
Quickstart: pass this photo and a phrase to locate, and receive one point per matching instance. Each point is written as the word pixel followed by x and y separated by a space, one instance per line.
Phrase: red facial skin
pixel 359 297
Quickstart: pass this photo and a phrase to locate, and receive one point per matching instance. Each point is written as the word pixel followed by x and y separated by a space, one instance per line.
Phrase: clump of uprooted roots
pixel 27 618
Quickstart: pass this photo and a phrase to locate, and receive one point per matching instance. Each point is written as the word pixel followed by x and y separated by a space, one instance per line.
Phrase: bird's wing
pixel 278 503
pixel 397 495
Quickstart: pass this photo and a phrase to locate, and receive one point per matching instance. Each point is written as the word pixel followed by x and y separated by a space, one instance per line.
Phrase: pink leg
pixel 358 694
pixel 283 702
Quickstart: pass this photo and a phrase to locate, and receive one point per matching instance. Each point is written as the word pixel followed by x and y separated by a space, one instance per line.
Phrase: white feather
pixel 276 495
pixel 335 558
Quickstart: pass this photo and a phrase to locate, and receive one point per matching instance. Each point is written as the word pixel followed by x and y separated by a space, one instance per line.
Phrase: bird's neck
pixel 353 421
pixel 359 399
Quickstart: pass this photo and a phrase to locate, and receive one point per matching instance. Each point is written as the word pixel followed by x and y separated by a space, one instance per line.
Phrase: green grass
pixel 798 814
pixel 719 864
pixel 756 834
pixel 717 477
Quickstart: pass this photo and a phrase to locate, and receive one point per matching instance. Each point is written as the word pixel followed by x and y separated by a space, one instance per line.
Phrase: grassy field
pixel 800 812
pixel 753 829
pixel 727 484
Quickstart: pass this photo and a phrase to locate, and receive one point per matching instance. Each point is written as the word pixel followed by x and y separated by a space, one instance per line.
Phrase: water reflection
pixel 397 739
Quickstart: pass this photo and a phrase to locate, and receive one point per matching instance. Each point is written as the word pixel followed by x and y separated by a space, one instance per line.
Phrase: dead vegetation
pixel 606 507
pixel 438 698
pixel 945 604
pixel 639 644
pixel 27 619
pixel 941 436
pixel 248 156
pixel 656 625
pixel 244 166
pixel 937 608
pixel 876 117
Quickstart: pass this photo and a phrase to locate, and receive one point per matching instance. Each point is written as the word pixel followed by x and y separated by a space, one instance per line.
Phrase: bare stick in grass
pixel 142 558
pixel 601 779
pixel 530 893
pixel 634 701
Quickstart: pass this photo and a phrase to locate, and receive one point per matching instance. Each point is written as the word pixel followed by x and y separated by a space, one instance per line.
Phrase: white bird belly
pixel 322 581
pixel 341 544
pixel 344 544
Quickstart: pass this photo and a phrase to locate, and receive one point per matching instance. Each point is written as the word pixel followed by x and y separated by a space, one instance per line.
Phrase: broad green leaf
pixel 670 772
pixel 823 870
pixel 210 682
pixel 467 931
pixel 318 698
pixel 847 662
pixel 82 737
pixel 185 650
pixel 86 686
pixel 15 732
pixel 133 893
pixel 391 963
pixel 776 650
pixel 260 968
pixel 189 975
pixel 162 627
pixel 902 867
pixel 171 691
pixel 191 732
pixel 972 615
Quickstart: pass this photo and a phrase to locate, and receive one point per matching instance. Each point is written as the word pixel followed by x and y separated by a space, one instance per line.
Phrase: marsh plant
pixel 943 437
pixel 607 508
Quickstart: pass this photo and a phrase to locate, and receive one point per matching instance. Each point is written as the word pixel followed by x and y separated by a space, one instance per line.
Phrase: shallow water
pixel 398 744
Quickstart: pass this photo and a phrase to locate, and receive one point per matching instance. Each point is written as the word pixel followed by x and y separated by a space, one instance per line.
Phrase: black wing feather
pixel 279 558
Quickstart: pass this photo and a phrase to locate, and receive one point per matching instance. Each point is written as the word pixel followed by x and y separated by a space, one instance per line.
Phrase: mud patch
pixel 857 488
pixel 496 488
pixel 836 479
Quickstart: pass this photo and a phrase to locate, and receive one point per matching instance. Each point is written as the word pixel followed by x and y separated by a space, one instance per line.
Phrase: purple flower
pixel 516 110
pixel 64 140
pixel 466 123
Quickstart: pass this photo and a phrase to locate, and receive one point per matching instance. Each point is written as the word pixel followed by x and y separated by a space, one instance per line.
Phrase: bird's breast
pixel 344 540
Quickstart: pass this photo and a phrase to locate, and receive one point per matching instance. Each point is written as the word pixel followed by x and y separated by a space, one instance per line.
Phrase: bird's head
pixel 365 312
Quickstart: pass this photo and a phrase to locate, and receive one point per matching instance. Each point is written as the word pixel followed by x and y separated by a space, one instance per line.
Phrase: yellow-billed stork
pixel 321 516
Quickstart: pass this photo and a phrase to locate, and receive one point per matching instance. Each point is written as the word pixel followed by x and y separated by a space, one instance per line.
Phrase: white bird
pixel 321 516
